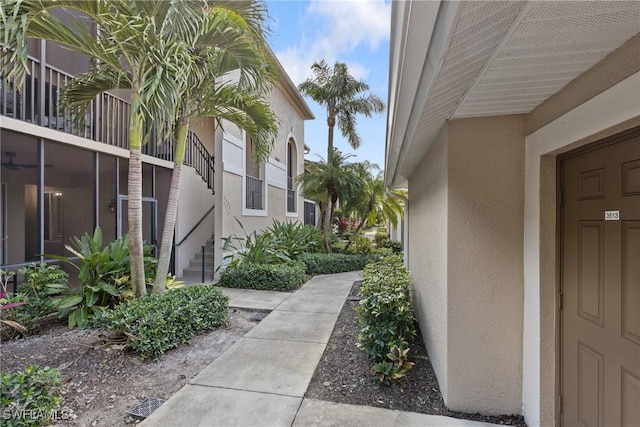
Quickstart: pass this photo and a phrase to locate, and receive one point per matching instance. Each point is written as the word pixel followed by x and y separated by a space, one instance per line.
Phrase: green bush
pixel 33 293
pixel 386 318
pixel 333 263
pixel 30 397
pixel 159 322
pixel 266 277
pixel 381 237
pixel 360 245
pixel 394 245
pixel 338 247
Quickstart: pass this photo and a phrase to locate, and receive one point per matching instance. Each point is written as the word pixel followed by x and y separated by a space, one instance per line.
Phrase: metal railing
pixel 254 193
pixel 198 157
pixel 106 121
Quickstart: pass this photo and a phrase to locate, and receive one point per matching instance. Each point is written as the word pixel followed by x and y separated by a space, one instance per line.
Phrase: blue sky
pixel 350 31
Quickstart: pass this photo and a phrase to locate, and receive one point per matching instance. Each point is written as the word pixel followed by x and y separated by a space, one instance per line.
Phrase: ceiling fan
pixel 11 165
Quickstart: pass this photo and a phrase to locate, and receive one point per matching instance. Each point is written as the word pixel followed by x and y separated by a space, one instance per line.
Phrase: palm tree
pixel 375 202
pixel 325 181
pixel 344 98
pixel 140 46
pixel 238 101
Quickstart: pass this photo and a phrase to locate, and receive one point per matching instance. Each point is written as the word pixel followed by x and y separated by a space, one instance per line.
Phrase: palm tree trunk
pixel 135 203
pixel 326 232
pixel 166 245
pixel 331 122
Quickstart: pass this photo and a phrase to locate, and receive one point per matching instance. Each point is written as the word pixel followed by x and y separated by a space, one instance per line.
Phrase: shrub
pixel 360 245
pixel 386 318
pixel 266 277
pixel 333 263
pixel 338 247
pixel 158 322
pixel 38 301
pixel 32 394
pixel 381 237
pixel 294 238
pixel 394 245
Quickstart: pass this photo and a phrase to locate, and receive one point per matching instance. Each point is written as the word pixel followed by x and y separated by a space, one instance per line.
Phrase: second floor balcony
pixel 37 101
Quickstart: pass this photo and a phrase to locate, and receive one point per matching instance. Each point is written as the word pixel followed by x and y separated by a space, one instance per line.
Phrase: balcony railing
pixel 106 121
pixel 254 193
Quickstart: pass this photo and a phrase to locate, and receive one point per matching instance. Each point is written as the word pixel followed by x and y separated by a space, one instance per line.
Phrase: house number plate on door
pixel 612 215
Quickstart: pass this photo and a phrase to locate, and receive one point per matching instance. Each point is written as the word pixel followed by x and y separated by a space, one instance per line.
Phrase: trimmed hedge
pixel 264 277
pixel 159 322
pixel 333 263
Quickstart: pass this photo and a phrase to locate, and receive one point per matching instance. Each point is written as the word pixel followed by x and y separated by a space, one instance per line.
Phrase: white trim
pixel 616 105
pixel 265 187
pixel 296 212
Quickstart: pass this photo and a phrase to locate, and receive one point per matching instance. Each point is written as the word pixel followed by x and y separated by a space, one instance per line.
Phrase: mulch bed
pixel 343 376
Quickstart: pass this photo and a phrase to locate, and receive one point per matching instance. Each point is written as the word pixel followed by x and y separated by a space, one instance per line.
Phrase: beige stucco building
pixel 515 127
pixel 59 181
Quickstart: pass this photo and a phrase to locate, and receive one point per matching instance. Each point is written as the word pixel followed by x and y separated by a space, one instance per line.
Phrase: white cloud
pixel 352 22
pixel 332 30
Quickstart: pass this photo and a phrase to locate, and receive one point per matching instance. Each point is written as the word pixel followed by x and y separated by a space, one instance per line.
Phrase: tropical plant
pixel 325 181
pixel 104 273
pixel 375 203
pixel 130 48
pixel 252 248
pixel 343 97
pixel 294 238
pixel 148 48
pixel 240 101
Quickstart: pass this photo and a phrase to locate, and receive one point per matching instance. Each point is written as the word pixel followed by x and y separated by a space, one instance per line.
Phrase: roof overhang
pixel 451 60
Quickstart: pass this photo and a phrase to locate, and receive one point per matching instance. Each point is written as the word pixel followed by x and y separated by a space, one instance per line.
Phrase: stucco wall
pixel 428 253
pixel 611 111
pixel 195 200
pixel 204 128
pixel 485 273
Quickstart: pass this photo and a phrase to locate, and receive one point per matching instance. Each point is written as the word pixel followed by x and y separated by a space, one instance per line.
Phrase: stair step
pixel 207 257
pixel 198 263
pixel 197 272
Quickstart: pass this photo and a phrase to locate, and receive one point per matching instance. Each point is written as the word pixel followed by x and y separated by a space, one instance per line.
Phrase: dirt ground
pixel 102 384
pixel 343 376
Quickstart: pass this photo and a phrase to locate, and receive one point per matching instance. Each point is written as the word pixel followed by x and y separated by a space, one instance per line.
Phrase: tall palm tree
pixel 344 98
pixel 325 181
pixel 137 45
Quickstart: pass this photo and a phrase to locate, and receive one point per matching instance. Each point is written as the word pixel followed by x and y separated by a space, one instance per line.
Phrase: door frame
pixel 154 219
pixel 560 161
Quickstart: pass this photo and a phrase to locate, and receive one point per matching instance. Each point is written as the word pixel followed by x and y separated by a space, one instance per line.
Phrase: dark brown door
pixel 601 286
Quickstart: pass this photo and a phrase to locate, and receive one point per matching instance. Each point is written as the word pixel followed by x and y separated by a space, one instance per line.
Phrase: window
pixel 291 176
pixel 254 179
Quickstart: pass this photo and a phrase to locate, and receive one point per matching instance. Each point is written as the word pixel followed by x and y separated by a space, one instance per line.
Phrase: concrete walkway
pixel 262 378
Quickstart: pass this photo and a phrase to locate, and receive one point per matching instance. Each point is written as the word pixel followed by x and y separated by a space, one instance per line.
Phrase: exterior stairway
pixel 195 266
